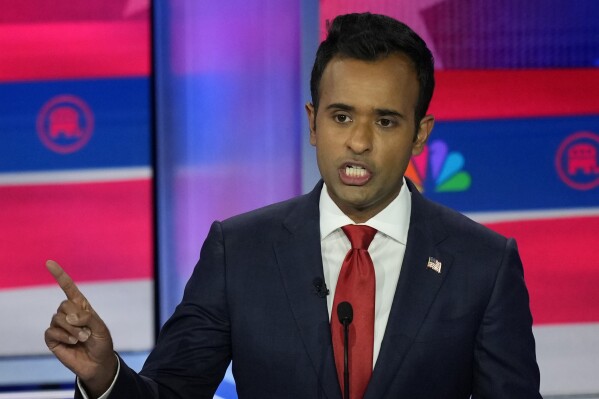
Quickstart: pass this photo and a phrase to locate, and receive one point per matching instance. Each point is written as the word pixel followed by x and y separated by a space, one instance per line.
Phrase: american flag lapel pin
pixel 434 264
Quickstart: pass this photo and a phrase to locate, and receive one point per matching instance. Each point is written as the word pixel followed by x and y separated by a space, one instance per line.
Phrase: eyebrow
pixel 341 106
pixel 378 111
pixel 388 112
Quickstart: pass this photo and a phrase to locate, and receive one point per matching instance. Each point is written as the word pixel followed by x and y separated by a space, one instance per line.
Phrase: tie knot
pixel 360 236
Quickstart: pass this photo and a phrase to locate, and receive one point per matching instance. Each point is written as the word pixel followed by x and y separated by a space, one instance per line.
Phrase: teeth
pixel 355 171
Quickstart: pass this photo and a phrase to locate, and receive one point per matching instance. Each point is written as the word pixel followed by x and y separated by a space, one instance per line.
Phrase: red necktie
pixel 356 285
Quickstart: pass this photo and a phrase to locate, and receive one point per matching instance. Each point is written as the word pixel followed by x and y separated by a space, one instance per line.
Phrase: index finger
pixel 65 282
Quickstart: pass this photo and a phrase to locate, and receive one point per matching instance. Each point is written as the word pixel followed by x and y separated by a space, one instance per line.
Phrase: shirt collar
pixel 392 221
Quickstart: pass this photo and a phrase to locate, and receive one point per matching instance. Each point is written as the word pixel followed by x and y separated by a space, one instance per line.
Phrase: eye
pixel 341 118
pixel 384 122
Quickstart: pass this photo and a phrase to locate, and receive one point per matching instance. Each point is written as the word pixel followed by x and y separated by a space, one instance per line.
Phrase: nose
pixel 360 138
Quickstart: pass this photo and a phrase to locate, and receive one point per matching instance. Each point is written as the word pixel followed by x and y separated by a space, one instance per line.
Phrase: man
pixel 446 313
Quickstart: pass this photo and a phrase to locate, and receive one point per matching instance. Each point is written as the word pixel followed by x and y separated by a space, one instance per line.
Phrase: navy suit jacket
pixel 251 299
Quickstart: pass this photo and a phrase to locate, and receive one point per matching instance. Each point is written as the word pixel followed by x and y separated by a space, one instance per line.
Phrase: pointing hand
pixel 79 338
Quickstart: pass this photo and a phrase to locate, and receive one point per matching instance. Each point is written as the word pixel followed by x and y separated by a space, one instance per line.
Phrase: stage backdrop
pixel 229 111
pixel 75 173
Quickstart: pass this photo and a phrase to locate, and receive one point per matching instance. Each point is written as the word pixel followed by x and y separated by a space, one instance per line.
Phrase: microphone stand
pixel 346 359
pixel 345 313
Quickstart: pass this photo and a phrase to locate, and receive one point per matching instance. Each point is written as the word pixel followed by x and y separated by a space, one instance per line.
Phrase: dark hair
pixel 371 37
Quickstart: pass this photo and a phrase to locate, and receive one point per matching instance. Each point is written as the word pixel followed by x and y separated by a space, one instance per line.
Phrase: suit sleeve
pixel 505 362
pixel 194 348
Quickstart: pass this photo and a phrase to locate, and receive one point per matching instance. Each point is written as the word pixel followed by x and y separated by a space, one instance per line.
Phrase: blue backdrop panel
pixel 512 164
pixel 118 138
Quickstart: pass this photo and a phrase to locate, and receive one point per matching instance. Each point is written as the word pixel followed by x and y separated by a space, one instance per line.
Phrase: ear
pixel 424 130
pixel 311 112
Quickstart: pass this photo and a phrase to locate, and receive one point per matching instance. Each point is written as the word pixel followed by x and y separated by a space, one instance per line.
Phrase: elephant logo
pixel 65 124
pixel 577 160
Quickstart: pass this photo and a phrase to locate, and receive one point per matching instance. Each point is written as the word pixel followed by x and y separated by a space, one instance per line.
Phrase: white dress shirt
pixel 386 250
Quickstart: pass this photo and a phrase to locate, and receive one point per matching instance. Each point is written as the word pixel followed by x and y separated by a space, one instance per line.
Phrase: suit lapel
pixel 416 290
pixel 300 263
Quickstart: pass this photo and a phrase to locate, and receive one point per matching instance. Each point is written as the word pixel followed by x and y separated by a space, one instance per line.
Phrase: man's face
pixel 364 131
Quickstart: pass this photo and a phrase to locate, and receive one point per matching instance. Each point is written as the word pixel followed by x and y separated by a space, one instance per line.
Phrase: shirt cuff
pixel 105 395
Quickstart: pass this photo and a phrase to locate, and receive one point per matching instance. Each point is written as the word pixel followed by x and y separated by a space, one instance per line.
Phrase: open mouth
pixel 354 175
pixel 355 171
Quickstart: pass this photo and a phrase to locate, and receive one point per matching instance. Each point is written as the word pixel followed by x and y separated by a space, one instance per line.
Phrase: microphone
pixel 320 287
pixel 345 313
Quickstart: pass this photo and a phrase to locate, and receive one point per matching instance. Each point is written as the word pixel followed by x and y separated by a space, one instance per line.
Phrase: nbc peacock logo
pixel 439 168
